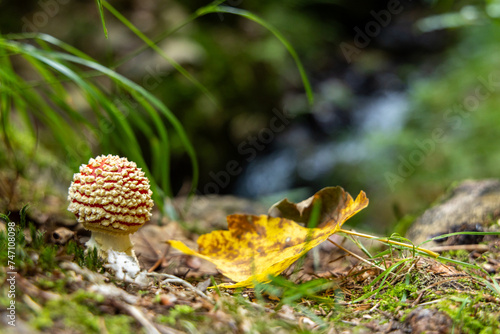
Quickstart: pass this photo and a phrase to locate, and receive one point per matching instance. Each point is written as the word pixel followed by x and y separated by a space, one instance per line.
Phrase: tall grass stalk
pixel 116 116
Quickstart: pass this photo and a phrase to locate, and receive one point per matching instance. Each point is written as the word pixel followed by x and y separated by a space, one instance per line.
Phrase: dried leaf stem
pixel 389 241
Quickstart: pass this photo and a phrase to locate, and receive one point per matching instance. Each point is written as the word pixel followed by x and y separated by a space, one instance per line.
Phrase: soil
pixel 395 292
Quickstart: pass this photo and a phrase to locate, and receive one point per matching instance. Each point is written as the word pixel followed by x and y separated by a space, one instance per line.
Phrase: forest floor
pixel 59 288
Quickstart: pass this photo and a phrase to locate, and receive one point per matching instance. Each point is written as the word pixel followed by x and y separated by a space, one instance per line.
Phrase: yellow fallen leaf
pixel 331 201
pixel 255 247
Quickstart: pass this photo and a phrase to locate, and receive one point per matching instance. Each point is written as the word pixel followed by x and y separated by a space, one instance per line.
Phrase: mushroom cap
pixel 110 195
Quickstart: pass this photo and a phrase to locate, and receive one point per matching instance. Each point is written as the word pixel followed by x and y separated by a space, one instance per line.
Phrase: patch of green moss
pixel 80 313
pixel 4 299
pixel 143 292
pixel 396 296
pixel 37 237
pixel 30 256
pixel 72 248
pixel 459 255
pixel 56 285
pixel 68 314
pixel 82 296
pixel 178 313
pixel 47 259
pixel 85 258
pixel 119 324
pixel 472 314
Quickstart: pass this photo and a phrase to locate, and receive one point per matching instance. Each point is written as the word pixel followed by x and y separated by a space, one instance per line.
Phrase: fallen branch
pixel 470 248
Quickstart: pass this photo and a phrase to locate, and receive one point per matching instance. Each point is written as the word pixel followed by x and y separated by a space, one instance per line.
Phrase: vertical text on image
pixel 11 273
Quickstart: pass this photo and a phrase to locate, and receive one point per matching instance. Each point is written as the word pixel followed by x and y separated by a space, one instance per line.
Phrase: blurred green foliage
pixel 452 130
pixel 232 73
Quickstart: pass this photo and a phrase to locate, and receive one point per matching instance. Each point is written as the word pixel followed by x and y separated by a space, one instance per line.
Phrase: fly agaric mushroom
pixel 110 197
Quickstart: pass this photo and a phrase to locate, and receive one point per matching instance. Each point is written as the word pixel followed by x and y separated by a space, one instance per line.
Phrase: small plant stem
pixel 386 240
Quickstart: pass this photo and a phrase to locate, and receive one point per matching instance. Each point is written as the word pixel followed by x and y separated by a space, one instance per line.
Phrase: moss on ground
pixel 51 298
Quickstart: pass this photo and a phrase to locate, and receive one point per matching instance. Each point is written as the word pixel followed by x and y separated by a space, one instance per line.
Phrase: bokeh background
pixel 406 97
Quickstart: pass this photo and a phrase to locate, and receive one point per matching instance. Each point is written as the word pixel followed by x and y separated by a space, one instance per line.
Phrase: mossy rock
pixel 473 205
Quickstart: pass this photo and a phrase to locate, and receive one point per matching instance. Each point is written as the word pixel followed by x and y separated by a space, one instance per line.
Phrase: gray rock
pixel 470 206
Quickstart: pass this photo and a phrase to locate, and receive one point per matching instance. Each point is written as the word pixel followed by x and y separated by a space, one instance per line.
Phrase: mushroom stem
pixel 106 241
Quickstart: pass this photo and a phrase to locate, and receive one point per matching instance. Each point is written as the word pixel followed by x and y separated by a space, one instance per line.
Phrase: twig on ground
pixel 88 274
pixel 355 255
pixel 174 279
pixel 105 289
pixel 138 315
pixel 439 283
pixel 419 298
pixel 374 307
pixel 478 248
pixel 32 304
pixel 102 326
pixel 435 301
pixel 160 259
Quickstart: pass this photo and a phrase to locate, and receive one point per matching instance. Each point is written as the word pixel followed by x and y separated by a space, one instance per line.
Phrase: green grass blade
pixel 275 32
pixel 125 131
pixel 58 94
pixel 161 165
pixel 383 277
pixel 154 101
pixel 43 111
pixel 360 246
pixel 465 264
pixel 5 103
pixel 166 33
pixel 43 102
pixel 153 46
pixel 459 233
pixel 147 101
pixel 9 75
pixel 381 254
pixel 215 7
pixel 101 13
pixel 51 40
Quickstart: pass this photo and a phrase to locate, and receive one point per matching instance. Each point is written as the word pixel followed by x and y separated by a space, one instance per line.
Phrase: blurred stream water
pixel 300 158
